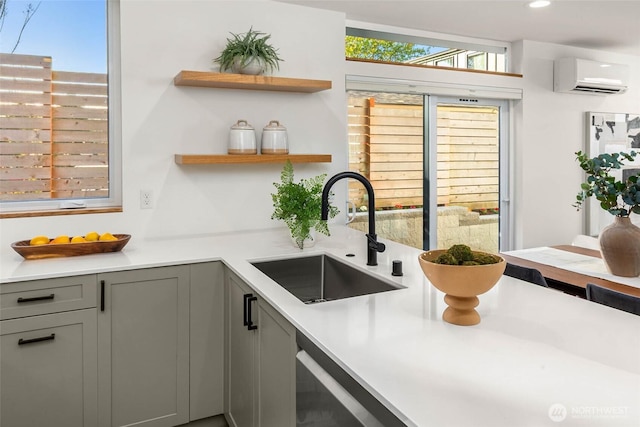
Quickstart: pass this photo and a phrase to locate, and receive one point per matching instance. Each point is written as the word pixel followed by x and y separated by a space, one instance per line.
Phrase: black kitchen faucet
pixel 373 246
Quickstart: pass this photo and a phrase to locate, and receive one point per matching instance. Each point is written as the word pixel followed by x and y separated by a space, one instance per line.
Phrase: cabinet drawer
pixel 49 370
pixel 22 299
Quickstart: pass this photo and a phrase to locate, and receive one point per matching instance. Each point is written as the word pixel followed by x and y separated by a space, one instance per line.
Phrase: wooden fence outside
pixel 386 145
pixel 53 131
pixel 468 156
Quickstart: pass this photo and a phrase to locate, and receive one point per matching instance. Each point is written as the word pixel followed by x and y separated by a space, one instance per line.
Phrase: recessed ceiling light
pixel 539 3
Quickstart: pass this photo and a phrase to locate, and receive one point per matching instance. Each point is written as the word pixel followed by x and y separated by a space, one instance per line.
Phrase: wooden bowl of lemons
pixel 40 247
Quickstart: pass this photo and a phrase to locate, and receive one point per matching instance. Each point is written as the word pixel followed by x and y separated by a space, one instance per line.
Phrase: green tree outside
pixel 383 50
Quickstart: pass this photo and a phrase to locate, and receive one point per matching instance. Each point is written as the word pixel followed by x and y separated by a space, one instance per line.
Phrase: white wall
pixel 160 38
pixel 549 128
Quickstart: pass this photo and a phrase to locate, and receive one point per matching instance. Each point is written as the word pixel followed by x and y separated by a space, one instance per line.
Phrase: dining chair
pixel 615 299
pixel 585 241
pixel 525 273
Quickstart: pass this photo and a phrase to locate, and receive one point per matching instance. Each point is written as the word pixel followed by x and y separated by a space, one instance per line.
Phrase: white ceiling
pixel 604 25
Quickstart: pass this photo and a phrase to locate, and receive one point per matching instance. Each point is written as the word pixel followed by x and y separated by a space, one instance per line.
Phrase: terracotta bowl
pixel 462 284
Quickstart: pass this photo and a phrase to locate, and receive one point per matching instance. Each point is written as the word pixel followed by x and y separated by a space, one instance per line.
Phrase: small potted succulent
pixel 620 241
pixel 249 53
pixel 298 204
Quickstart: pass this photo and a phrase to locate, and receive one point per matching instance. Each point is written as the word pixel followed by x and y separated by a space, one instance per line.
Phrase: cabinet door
pixel 48 367
pixel 276 369
pixel 143 347
pixel 241 353
pixel 261 376
pixel 206 340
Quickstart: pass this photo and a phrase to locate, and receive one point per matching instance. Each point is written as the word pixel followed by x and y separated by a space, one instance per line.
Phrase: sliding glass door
pixel 467 186
pixel 386 145
pixel 437 165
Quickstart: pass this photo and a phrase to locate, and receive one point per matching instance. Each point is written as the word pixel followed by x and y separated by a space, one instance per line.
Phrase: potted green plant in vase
pixel 619 241
pixel 298 204
pixel 249 53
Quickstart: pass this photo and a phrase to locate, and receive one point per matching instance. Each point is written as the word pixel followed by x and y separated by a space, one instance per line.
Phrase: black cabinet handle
pixel 245 312
pixel 102 295
pixel 32 340
pixel 42 298
pixel 250 325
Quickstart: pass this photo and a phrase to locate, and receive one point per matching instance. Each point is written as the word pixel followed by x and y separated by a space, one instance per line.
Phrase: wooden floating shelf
pixel 211 159
pixel 243 81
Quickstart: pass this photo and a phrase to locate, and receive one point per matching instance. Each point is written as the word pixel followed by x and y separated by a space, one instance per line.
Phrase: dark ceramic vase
pixel 620 247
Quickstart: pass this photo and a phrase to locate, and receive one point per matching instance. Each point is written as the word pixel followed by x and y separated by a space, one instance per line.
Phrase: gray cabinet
pixel 143 347
pixel 240 355
pixel 260 360
pixel 276 369
pixel 151 353
pixel 206 342
pixel 48 358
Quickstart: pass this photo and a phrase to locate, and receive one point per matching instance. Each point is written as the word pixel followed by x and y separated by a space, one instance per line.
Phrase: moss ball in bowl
pixel 462 274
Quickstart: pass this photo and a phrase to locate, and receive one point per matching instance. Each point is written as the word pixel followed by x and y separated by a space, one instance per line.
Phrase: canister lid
pixel 274 125
pixel 242 125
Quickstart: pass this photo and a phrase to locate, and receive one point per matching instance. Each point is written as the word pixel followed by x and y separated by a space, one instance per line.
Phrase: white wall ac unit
pixel 591 77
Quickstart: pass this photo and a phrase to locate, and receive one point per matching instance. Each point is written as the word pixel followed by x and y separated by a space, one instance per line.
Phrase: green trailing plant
pixel 619 198
pixel 247 46
pixel 299 204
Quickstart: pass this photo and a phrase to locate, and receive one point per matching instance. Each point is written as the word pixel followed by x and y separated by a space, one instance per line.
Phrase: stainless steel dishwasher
pixel 326 396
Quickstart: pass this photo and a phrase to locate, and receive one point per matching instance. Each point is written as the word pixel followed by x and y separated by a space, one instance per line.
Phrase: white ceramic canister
pixel 274 139
pixel 242 139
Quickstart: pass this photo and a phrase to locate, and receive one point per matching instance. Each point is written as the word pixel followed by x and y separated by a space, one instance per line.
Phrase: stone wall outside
pixel 456 224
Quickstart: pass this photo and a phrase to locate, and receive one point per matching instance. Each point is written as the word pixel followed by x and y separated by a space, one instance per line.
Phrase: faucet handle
pixel 374 244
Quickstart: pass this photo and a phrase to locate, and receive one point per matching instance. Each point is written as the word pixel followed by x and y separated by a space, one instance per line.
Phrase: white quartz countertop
pixel 539 357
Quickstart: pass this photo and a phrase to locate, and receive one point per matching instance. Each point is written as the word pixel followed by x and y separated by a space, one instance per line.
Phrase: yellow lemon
pixel 61 239
pixel 39 240
pixel 92 237
pixel 78 239
pixel 107 237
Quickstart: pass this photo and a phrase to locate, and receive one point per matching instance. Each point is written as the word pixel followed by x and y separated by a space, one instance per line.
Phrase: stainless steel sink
pixel 321 278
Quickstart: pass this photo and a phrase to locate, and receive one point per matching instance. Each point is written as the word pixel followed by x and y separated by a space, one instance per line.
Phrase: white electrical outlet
pixel 146 199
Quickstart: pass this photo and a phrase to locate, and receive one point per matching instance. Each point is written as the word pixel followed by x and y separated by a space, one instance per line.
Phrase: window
pixel 383 50
pixel 447 62
pixel 435 152
pixel 456 147
pixel 59 115
pixel 477 61
pixel 363 44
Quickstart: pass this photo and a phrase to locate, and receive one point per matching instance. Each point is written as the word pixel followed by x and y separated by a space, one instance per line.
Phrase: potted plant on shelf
pixel 249 53
pixel 619 241
pixel 298 205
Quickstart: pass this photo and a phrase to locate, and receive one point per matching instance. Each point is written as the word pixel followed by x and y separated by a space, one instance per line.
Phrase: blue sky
pixel 72 32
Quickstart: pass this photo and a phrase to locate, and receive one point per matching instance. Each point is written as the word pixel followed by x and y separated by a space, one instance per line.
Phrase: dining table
pixel 570 268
